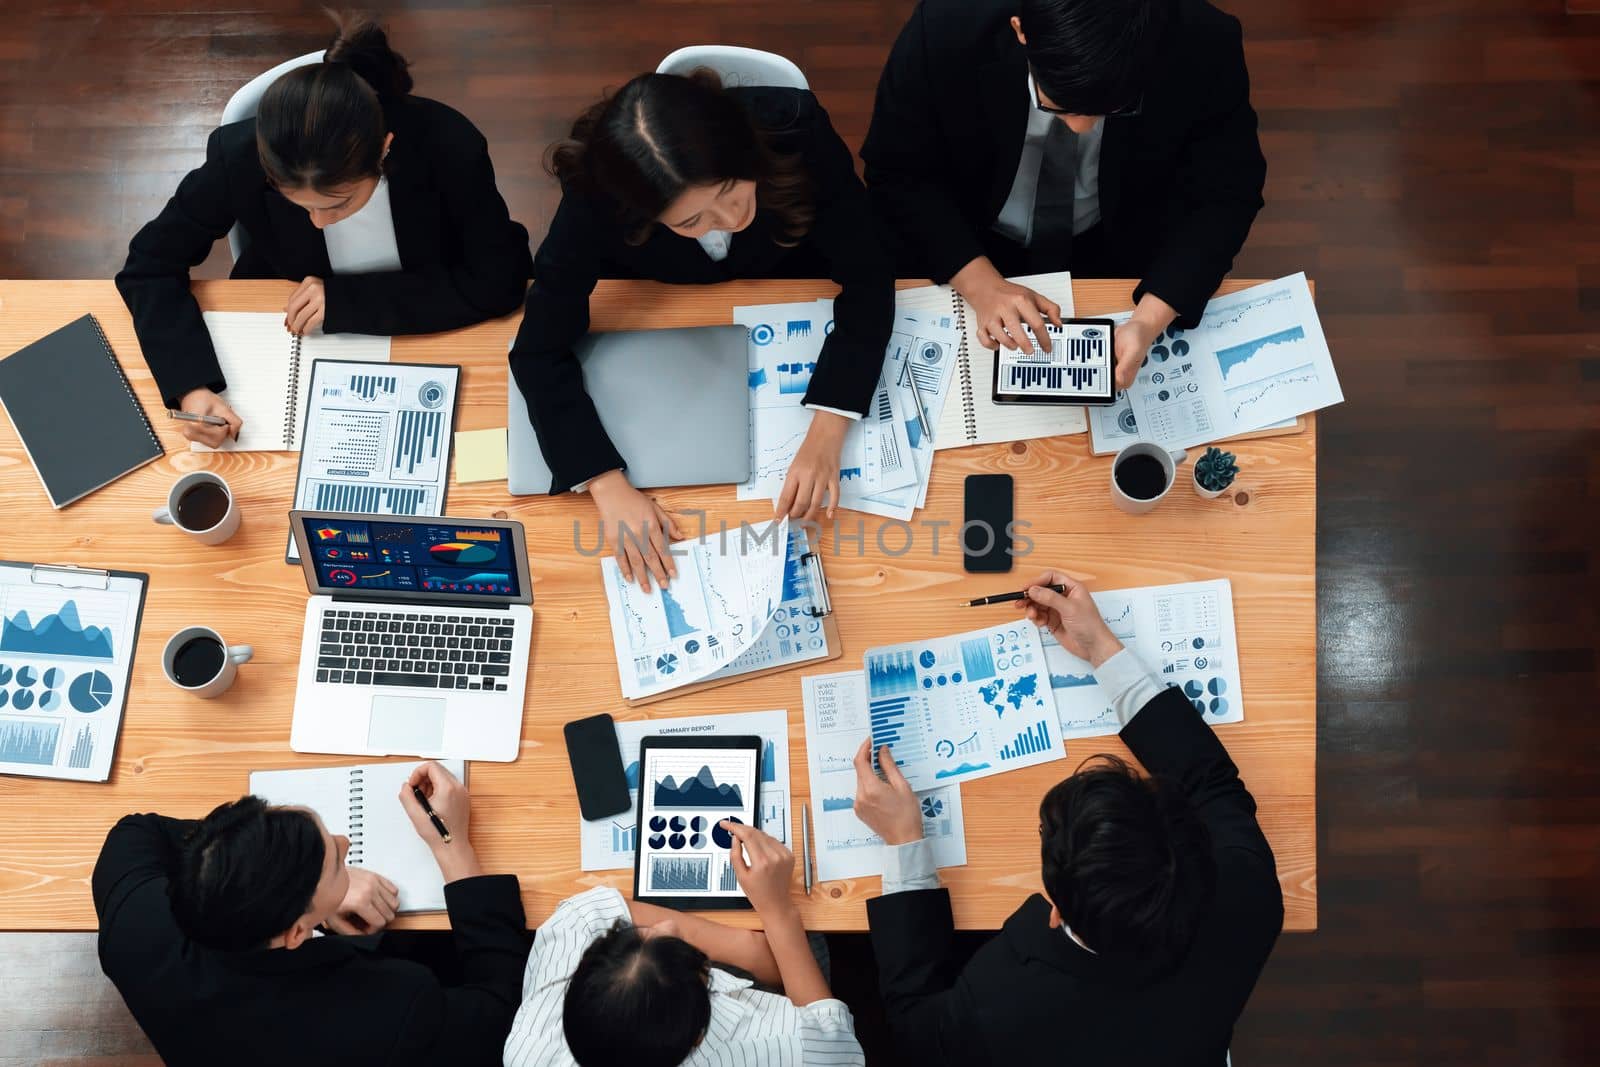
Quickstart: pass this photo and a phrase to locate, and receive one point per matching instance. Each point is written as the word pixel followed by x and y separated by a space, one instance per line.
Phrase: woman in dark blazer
pixel 676 179
pixel 382 205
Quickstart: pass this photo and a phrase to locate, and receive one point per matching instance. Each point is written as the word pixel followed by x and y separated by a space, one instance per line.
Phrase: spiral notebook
pixel 58 387
pixel 268 370
pixel 363 803
pixel 972 417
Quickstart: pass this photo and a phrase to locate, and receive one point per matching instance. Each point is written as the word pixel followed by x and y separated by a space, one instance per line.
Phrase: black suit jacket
pixel 332 1000
pixel 1033 996
pixel 587 243
pixel 463 259
pixel 1180 183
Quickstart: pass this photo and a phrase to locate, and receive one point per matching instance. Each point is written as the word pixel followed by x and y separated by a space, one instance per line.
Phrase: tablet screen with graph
pixel 687 787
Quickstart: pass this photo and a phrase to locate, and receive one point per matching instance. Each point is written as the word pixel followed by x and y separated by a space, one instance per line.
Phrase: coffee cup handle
pixel 162 516
pixel 1178 457
pixel 240 653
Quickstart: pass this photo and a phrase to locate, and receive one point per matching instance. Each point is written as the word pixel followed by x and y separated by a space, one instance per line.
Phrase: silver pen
pixel 805 845
pixel 187 416
pixel 916 395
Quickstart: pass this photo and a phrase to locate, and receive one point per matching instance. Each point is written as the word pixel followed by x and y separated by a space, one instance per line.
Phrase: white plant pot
pixel 1202 492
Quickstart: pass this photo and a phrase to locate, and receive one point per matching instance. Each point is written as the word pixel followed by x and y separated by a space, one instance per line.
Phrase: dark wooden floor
pixel 1433 163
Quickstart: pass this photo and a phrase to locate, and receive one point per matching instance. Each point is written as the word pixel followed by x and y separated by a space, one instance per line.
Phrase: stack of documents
pixel 888 454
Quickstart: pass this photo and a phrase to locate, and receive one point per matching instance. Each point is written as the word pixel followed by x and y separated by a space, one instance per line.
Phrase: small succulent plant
pixel 1216 470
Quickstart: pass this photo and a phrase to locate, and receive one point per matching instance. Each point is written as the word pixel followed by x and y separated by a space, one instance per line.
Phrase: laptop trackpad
pixel 406 724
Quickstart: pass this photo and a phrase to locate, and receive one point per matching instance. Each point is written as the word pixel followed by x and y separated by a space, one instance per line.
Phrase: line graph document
pixel 1257 360
pixel 837 722
pixel 729 586
pixel 608 844
pixel 965 706
pixel 376 439
pixel 1184 633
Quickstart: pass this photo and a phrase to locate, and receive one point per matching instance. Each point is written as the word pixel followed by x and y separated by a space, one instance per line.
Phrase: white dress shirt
pixel 364 243
pixel 1016 215
pixel 1126 682
pixel 748 1028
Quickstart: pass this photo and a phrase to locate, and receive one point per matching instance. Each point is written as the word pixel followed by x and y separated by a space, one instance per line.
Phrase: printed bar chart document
pixel 836 724
pixel 376 439
pixel 1184 633
pixel 965 706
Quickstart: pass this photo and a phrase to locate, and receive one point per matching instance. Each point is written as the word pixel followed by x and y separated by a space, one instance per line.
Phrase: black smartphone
pixel 986 530
pixel 597 767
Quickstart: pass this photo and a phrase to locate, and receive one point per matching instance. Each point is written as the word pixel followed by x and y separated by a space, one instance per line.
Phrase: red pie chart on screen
pixel 461 552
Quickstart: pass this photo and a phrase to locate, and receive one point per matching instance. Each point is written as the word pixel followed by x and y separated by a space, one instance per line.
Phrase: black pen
pixel 1006 598
pixel 438 823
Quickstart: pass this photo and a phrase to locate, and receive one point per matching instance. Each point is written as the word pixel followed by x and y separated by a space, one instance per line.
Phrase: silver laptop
pixel 416 638
pixel 676 403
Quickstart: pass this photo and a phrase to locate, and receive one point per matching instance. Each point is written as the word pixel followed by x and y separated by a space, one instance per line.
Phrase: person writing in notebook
pixel 1111 138
pixel 612 981
pixel 213 931
pixel 381 206
pixel 677 179
pixel 1161 900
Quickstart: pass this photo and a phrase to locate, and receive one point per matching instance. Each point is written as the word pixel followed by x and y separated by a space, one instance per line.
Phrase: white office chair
pixel 243 104
pixel 738 66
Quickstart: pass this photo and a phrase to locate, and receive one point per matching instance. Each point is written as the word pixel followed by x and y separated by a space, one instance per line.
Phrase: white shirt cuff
pixel 853 416
pixel 909 866
pixel 1127 683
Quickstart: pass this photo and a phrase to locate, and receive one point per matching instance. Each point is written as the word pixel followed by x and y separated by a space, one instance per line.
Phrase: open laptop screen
pixel 454 560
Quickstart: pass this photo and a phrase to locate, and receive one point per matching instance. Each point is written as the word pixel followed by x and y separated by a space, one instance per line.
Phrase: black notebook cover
pixel 75 412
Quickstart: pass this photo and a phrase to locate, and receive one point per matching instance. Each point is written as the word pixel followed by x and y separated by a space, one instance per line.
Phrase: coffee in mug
pixel 1141 474
pixel 202 506
pixel 197 660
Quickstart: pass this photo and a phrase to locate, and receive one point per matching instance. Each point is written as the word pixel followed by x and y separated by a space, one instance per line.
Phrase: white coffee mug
pixel 1169 468
pixel 225 527
pixel 219 683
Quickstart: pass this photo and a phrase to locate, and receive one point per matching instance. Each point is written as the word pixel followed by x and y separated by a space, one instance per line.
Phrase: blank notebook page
pixel 363 802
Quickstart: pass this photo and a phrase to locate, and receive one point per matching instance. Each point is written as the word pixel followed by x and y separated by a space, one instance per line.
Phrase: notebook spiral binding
pixel 357 816
pixel 155 439
pixel 969 414
pixel 289 421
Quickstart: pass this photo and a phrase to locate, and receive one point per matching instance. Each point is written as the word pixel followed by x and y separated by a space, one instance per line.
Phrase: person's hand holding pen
pixel 206 417
pixel 1061 604
pixel 450 814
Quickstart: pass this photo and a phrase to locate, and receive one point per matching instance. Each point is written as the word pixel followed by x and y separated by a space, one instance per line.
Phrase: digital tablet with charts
pixel 1077 369
pixel 687 786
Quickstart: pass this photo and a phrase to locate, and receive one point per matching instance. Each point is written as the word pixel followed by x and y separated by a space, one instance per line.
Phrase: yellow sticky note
pixel 481 455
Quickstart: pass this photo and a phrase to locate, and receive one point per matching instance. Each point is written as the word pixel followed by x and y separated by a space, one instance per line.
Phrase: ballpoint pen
pixel 189 416
pixel 922 413
pixel 1006 598
pixel 433 816
pixel 805 845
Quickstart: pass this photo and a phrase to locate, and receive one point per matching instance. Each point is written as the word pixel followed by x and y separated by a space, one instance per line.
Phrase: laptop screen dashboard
pixel 418 559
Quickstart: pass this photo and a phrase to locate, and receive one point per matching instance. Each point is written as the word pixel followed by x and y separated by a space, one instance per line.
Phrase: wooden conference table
pixel 180 756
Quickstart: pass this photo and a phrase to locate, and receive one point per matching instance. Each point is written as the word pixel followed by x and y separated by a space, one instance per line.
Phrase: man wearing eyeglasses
pixel 1111 138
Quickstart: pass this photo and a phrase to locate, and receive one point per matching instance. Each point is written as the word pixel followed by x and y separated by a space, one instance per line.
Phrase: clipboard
pixel 821 608
pixel 76 693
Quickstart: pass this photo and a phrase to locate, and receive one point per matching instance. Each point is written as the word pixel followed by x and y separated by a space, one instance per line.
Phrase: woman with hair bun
pixel 380 204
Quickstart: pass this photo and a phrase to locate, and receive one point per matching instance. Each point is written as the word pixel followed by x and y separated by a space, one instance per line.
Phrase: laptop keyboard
pixel 422 651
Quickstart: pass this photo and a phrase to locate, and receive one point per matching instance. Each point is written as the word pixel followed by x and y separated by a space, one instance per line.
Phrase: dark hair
pixel 638 1000
pixel 1126 862
pixel 1092 56
pixel 643 145
pixel 322 125
pixel 246 873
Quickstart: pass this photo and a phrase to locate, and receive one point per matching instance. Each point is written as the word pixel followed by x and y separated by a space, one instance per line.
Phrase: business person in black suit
pixel 1112 138
pixel 1161 900
pixel 678 180
pixel 382 205
pixel 209 930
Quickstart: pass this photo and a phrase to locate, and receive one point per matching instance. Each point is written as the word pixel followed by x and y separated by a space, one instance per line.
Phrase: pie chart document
pixel 67 637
